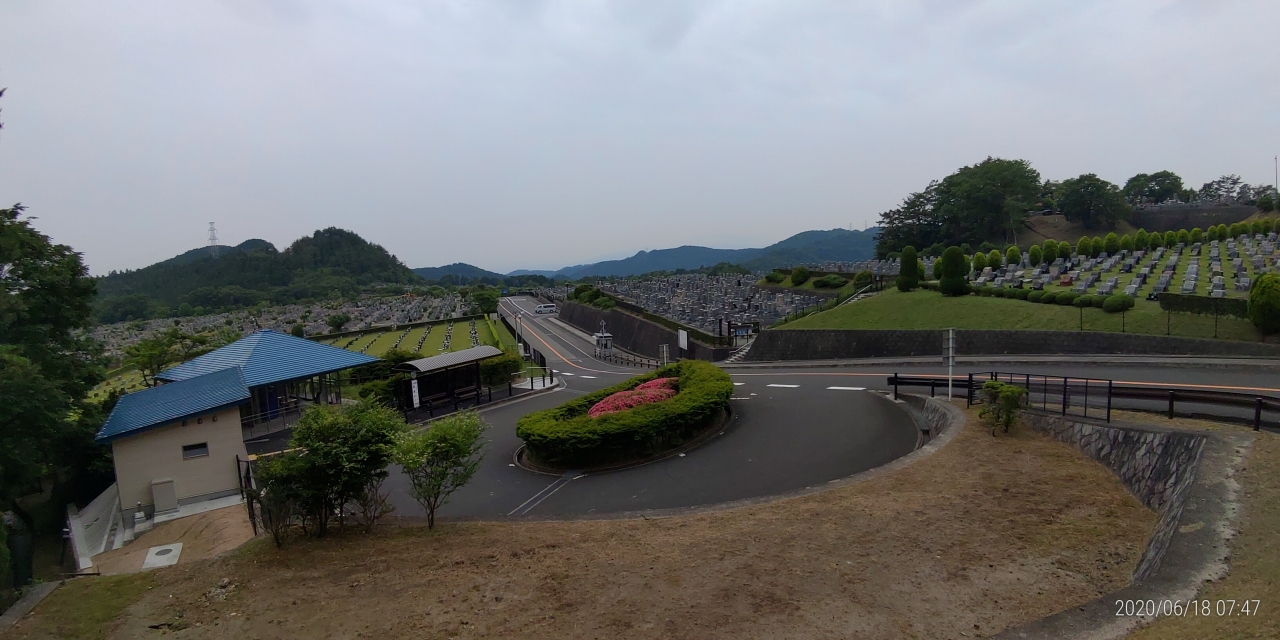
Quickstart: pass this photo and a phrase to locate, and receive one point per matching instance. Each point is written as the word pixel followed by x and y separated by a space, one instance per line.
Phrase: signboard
pixel 683 339
pixel 413 386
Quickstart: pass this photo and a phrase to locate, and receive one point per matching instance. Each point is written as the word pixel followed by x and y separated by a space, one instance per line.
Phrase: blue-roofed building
pixel 181 442
pixel 282 372
pixel 177 444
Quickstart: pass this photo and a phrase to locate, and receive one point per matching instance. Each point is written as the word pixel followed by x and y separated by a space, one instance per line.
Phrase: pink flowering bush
pixel 623 400
pixel 659 383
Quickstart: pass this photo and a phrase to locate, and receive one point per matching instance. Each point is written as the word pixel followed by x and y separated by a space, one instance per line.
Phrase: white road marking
pixel 847 388
pixel 544 494
pixel 588 377
pixel 739 398
pixel 738 384
pixel 564 373
pixel 783 386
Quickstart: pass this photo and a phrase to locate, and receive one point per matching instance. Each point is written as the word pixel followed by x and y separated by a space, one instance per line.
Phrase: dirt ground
pixel 985 534
pixel 202 536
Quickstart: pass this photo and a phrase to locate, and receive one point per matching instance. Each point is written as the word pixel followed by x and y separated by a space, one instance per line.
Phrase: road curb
pixel 28 602
pixel 1103 359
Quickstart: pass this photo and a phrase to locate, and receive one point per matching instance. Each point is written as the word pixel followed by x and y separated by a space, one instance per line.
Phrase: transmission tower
pixel 213 241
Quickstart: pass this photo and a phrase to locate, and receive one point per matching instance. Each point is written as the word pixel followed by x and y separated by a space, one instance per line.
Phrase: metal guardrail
pixel 1080 396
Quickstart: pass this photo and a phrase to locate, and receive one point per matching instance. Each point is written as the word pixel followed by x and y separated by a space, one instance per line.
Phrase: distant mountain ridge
pixel 458 269
pixel 835 245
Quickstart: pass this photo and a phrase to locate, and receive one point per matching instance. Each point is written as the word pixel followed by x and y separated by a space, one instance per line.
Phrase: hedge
pixel 1117 303
pixel 830 281
pixel 566 437
pixel 1035 296
pixel 1203 305
pixel 1065 298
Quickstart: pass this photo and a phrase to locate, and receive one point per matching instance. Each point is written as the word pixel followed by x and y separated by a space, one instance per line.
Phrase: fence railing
pixel 1096 397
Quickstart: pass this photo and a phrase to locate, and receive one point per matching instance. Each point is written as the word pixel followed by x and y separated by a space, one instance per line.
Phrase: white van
pixel 545 308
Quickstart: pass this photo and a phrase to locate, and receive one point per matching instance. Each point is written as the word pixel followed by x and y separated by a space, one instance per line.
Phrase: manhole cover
pixel 164 552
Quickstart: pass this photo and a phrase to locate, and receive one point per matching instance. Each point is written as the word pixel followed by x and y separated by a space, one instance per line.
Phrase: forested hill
pixel 316 266
pixel 834 245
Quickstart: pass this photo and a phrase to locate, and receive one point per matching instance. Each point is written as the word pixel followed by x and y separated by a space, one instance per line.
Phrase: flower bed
pixel 636 419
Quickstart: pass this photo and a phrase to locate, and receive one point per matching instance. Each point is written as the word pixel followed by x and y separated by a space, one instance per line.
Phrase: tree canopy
pixel 1092 201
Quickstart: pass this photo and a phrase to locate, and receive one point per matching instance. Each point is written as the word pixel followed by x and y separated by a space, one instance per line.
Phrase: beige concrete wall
pixel 157 453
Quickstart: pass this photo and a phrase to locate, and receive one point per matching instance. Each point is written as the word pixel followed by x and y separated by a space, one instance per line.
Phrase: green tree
pixel 1126 243
pixel 1170 238
pixel 954 270
pixel 915 222
pixel 49 363
pixel 1196 235
pixel 485 301
pixel 908 276
pixel 1084 246
pixel 1266 203
pixel 1051 251
pixel 979 261
pixel 987 200
pixel 1097 246
pixel 1140 240
pixel 799 276
pixel 1155 240
pixel 441 459
pixel 1092 201
pixel 1035 255
pixel 151 356
pixel 1184 236
pixel 1111 244
pixel 1012 256
pixel 1212 234
pixel 1264 303
pixel 298 330
pixel 1157 187
pixel 937 269
pixel 337 321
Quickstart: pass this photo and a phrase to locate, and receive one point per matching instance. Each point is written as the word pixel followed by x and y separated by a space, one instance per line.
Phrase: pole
pixel 951 358
pixel 1257 414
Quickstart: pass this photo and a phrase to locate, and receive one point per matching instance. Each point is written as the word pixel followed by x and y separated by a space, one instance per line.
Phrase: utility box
pixel 164 496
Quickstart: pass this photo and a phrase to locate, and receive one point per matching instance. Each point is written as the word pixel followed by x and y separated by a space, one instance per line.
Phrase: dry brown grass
pixel 985 534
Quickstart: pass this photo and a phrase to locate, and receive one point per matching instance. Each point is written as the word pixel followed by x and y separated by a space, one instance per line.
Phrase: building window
pixel 195 450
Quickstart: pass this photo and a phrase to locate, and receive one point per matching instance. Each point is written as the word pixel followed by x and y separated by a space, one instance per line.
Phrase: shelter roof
pixel 448 360
pixel 157 406
pixel 270 356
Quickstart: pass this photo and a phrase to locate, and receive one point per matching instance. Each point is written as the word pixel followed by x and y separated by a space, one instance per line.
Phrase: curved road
pixel 783 436
pixel 792 428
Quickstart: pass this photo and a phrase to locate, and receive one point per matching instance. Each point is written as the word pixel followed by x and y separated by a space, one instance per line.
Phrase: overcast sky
pixel 537 134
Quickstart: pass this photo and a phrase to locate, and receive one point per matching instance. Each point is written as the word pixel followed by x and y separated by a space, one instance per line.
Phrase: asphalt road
pixel 792 428
pixel 788 432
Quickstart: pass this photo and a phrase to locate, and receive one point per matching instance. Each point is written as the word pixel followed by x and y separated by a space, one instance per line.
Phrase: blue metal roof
pixel 142 410
pixel 270 356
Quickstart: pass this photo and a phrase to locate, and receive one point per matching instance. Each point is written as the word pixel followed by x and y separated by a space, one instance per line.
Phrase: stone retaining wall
pixel 829 344
pixel 933 412
pixel 635 334
pixel 1157 466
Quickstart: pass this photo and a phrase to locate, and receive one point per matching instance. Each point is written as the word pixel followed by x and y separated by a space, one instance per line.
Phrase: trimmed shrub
pixel 979 262
pixel 1035 255
pixel 1268 225
pixel 982 290
pixel 1111 244
pixel 995 258
pixel 937 268
pixel 1065 298
pixel 1050 251
pixel 775 277
pixel 1126 242
pixel 1012 256
pixel 908 274
pixel 1034 296
pixel 799 276
pixel 1003 401
pixel 1083 301
pixel 498 371
pixel 1140 239
pixel 1197 235
pixel 1184 236
pixel 1256 227
pixel 920 268
pixel 1117 303
pixel 1021 294
pixel 1084 246
pixel 833 281
pixel 1236 229
pixel 1204 305
pixel 1170 238
pixel 1264 303
pixel 1212 234
pixel 954 269
pixel 565 436
pixel 1098 301
pixel 1098 247
pixel 1155 241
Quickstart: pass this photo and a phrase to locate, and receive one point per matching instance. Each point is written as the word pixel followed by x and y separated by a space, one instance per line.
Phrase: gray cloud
pixel 536 134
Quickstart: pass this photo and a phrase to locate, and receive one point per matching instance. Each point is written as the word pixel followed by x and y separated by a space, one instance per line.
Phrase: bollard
pixel 895 386
pixel 931 386
pixel 1171 397
pixel 1257 414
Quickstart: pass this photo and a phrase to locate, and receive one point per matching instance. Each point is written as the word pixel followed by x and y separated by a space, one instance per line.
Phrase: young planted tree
pixel 908 273
pixel 799 276
pixel 1012 256
pixel 1051 251
pixel 1197 235
pixel 1111 244
pixel 441 459
pixel 1264 303
pixel 1170 238
pixel 954 270
pixel 1084 246
pixel 1140 240
pixel 1035 255
pixel 979 261
pixel 995 258
pixel 337 321
pixel 1184 236
pixel 1126 243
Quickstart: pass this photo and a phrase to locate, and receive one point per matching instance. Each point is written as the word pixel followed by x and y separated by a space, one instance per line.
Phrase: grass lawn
pixel 807 287
pixel 85 606
pixel 923 309
pixel 383 343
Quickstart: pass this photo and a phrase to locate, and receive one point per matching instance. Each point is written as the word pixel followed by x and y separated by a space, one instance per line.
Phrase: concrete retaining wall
pixel 1157 466
pixel 826 344
pixel 635 334
pixel 932 412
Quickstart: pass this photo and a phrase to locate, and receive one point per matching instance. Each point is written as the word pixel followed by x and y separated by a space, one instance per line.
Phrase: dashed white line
pixel 738 384
pixel 783 386
pixel 847 388
pixel 588 377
